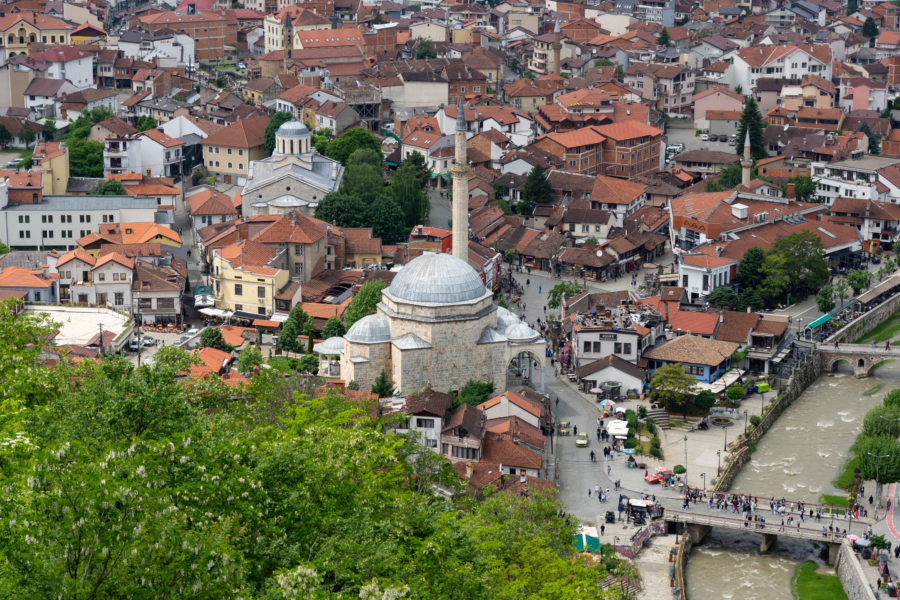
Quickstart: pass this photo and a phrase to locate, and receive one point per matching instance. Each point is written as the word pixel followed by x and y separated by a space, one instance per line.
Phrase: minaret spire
pixel 460 171
pixel 747 162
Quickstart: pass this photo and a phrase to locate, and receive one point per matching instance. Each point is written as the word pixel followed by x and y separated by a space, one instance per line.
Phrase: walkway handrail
pixel 758 527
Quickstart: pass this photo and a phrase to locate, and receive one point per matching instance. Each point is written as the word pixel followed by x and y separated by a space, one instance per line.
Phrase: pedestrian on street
pixel 539 289
pixel 597 490
pixel 887 345
pixel 608 470
pixel 527 282
pixel 557 402
pixel 593 457
pixel 836 345
pixel 589 492
pixel 575 429
pixel 602 529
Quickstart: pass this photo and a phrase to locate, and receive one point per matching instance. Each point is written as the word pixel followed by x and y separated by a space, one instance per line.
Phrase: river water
pixel 797 458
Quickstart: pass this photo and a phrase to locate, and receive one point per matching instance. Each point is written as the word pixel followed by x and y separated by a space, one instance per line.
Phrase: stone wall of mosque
pixel 364 373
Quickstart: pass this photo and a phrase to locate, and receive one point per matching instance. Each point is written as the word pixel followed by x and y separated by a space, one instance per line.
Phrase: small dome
pixel 520 332
pixel 333 345
pixel 371 329
pixel 506 318
pixel 437 278
pixel 292 129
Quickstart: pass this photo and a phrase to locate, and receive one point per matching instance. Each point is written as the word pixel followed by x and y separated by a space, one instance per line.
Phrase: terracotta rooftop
pixel 693 349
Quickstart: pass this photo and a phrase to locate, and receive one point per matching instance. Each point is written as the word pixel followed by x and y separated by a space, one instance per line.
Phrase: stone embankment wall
pixel 859 327
pixel 850 572
pixel 799 380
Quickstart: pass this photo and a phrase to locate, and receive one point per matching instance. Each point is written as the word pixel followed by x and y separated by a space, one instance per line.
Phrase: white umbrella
pixel 596 390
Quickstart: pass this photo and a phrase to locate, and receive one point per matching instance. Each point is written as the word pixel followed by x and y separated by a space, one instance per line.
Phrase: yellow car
pixel 582 441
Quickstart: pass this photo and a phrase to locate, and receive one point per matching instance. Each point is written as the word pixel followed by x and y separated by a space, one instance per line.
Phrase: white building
pixel 150 152
pixel 777 61
pixel 59 221
pixel 700 274
pixel 857 178
pixel 167 49
pixel 68 62
pixel 109 285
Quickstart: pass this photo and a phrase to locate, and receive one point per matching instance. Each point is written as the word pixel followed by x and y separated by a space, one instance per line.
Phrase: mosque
pixel 294 178
pixel 437 325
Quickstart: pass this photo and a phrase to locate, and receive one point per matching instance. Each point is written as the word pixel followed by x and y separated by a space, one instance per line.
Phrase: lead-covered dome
pixel 521 332
pixel 371 329
pixel 437 278
pixel 292 129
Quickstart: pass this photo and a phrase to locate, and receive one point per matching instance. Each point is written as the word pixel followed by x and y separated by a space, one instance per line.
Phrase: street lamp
pixel 719 457
pixel 703 476
pixel 878 458
pixel 724 427
pixel 685 463
pixel 745 421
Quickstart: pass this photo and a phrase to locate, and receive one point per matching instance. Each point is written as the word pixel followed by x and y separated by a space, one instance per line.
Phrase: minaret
pixel 287 41
pixel 746 162
pixel 460 171
pixel 556 46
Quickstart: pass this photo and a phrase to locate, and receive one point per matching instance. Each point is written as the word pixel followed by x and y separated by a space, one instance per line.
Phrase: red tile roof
pixel 247 133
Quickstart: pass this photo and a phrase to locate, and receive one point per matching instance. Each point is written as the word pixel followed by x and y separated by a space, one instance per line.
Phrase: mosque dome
pixel 292 129
pixel 520 332
pixel 439 279
pixel 371 329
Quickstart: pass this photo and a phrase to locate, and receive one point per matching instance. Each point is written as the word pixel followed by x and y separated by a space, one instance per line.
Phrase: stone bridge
pixel 862 357
pixel 698 524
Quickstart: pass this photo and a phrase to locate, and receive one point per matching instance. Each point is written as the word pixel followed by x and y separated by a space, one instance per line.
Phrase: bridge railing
pixel 770 527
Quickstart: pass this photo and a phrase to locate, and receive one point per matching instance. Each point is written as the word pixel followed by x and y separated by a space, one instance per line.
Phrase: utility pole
pixel 878 458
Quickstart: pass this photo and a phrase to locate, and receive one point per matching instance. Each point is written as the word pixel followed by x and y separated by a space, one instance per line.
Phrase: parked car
pixel 148 341
pixel 134 345
pixel 14 163
pixel 732 142
pixel 704 137
pixel 192 332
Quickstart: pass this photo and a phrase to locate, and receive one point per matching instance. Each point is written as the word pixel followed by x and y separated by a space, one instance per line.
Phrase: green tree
pixel 567 288
pixel 803 261
pixel 734 393
pixel 386 219
pixel 869 28
pixel 858 279
pixel 776 281
pixel 883 470
pixel 334 327
pixel 146 122
pixel 355 138
pixel 704 400
pixel 109 187
pixel 825 299
pixel 730 176
pixel 5 136
pixel 892 398
pixel 751 299
pixel 363 181
pixel 341 209
pixel 804 189
pixel 671 384
pixel 249 357
pixel 85 158
pixel 510 254
pixel 751 119
pixel 663 38
pixel 367 156
pixel 287 337
pixel 4 249
pixel 852 6
pixel 364 302
pixel 723 297
pixel 277 120
pixel 874 146
pixel 749 272
pixel 881 421
pixel 410 195
pixel 383 386
pixel 309 363
pixel 536 190
pixel 841 290
pixel 425 49
pixel 49 131
pixel 474 393
pixel 28 135
pixel 212 338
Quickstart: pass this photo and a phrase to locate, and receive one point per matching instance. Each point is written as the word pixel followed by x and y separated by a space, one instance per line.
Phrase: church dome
pixel 520 332
pixel 371 329
pixel 292 129
pixel 437 278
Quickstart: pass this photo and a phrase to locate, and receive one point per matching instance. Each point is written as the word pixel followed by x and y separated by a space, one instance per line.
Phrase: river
pixel 797 458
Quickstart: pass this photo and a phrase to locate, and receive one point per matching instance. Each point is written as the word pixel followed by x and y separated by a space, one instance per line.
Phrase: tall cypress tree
pixel 751 119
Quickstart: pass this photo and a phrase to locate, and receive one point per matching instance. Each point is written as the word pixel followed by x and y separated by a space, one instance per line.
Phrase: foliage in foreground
pixel 123 481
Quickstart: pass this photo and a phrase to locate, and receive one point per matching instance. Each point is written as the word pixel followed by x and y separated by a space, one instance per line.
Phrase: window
pixel 229 151
pixel 425 423
pixel 587 346
pixel 571 163
pixel 111 219
pixel 101 276
pixel 298 249
pixel 46 218
pixel 24 219
pixel 239 307
pixel 298 267
pixel 104 218
pixel 260 291
pixel 120 298
pixel 585 229
pixel 627 347
pixel 240 166
pixel 238 289
pixel 261 310
pixel 598 346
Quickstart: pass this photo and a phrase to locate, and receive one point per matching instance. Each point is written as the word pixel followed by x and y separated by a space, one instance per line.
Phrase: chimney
pixel 470 470
pixel 148 172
